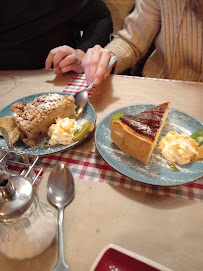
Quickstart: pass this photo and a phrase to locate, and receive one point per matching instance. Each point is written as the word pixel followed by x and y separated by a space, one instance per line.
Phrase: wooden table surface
pixel 166 230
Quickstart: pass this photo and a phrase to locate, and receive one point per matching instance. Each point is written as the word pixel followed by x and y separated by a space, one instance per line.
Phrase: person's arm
pixel 95 22
pixel 132 43
pixel 140 29
pixel 64 59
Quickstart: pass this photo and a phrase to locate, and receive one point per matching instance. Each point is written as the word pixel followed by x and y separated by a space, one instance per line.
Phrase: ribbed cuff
pixel 124 52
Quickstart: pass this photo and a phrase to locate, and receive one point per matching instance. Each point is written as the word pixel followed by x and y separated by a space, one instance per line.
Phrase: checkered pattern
pixel 91 167
pixel 77 83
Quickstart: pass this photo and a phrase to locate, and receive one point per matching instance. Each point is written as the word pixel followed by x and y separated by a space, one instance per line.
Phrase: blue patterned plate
pixel 42 148
pixel 158 171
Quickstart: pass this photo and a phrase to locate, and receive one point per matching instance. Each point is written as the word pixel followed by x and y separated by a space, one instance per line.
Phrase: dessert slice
pixel 33 119
pixel 8 122
pixel 137 135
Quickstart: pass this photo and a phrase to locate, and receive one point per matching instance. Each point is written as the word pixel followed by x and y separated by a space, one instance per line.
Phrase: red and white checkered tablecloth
pixel 77 83
pixel 91 167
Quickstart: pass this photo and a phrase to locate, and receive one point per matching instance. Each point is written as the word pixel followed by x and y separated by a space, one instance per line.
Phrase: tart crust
pixel 136 142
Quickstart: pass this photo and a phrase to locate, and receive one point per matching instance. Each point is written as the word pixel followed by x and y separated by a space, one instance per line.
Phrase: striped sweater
pixel 178 38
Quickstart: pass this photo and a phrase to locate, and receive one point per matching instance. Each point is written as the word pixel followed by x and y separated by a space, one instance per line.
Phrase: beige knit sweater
pixel 178 37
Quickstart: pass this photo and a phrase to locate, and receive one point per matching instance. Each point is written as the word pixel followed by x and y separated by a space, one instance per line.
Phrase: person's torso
pixel 179 45
pixel 29 29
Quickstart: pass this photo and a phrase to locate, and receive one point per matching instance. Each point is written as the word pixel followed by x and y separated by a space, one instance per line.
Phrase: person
pixel 175 27
pixel 29 30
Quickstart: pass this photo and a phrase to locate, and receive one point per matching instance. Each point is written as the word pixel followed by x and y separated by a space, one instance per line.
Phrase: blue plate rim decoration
pixel 155 172
pixel 88 114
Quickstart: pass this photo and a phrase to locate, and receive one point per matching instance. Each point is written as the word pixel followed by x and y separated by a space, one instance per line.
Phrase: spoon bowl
pixel 60 191
pixel 60 188
pixel 81 97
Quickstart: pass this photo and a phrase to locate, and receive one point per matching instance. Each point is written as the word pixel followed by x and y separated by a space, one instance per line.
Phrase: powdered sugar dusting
pixel 49 101
pixel 43 148
pixel 158 170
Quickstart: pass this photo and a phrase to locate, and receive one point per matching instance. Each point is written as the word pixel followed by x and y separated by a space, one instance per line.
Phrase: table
pixel 165 228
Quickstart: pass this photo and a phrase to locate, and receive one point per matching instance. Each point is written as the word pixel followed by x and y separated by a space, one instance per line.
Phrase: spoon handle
pixel 111 62
pixel 61 264
pixel 90 86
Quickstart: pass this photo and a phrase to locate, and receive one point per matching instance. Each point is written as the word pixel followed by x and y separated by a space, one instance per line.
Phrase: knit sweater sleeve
pixel 140 29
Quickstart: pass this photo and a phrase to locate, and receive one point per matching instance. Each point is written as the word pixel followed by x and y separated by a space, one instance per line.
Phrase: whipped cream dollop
pixel 179 148
pixel 62 132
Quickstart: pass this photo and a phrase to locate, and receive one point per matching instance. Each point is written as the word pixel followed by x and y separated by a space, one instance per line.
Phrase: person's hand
pixel 65 59
pixel 95 64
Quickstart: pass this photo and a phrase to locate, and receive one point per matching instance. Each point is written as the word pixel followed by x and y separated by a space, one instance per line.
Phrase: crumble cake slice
pixel 34 119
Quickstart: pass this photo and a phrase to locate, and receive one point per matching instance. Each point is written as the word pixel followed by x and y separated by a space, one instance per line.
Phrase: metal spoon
pixel 81 97
pixel 60 191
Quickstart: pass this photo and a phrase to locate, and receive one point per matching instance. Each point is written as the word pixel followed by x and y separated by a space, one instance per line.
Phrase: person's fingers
pixel 95 58
pixel 57 70
pixel 73 67
pixel 68 60
pixel 90 62
pixel 102 72
pixel 85 63
pixel 61 53
pixel 49 59
pixel 64 59
pixel 108 71
pixel 67 68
